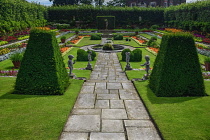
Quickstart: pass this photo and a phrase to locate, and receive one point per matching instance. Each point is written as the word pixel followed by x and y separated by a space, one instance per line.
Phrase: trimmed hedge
pixel 95 37
pixel 82 55
pixel 108 46
pixel 118 37
pixel 176 69
pixel 42 70
pixel 101 22
pixel 124 16
pixel 191 16
pixel 135 55
pixel 18 15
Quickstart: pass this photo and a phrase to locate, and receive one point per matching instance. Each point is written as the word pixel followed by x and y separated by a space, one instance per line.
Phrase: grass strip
pixel 34 117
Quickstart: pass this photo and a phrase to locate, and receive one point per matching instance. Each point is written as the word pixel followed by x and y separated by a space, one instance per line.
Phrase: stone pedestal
pixel 89 67
pixel 128 67
pixel 72 76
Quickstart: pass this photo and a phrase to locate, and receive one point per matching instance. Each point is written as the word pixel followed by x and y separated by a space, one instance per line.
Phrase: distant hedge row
pixel 124 16
pixel 18 15
pixel 192 16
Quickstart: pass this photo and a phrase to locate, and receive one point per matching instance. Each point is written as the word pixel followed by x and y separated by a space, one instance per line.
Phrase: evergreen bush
pixel 124 55
pixel 42 70
pixel 176 70
pixel 82 55
pixel 135 55
pixel 118 37
pixel 95 37
pixel 108 46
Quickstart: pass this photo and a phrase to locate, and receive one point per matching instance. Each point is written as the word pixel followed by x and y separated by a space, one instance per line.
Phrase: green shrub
pixel 95 37
pixel 124 55
pixel 42 69
pixel 108 46
pixel 176 70
pixel 136 55
pixel 152 42
pixel 17 56
pixel 154 27
pixel 82 55
pixel 118 37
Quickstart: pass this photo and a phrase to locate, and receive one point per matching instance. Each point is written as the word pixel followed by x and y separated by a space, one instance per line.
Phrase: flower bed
pixel 140 41
pixel 8 72
pixel 152 50
pixel 206 75
pixel 173 30
pixel 77 39
pixel 206 40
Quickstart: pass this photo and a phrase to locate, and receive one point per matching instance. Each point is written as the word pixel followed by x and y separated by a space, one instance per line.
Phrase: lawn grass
pixel 34 117
pixel 66 35
pixel 127 43
pixel 149 36
pixel 86 41
pixel 176 117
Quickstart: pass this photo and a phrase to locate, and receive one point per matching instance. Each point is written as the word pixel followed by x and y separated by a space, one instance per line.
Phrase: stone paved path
pixel 108 107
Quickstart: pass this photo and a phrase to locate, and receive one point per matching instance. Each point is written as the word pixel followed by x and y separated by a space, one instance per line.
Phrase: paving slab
pixel 137 114
pixel 101 91
pixel 107 136
pixel 89 84
pixel 83 123
pixel 107 96
pixel 102 104
pixel 100 86
pixel 138 123
pixel 116 104
pixel 114 114
pixel 87 89
pixel 112 126
pixel 86 111
pixel 85 101
pixel 136 133
pixel 74 136
pixel 135 104
pixel 131 94
pixel 113 91
pixel 114 86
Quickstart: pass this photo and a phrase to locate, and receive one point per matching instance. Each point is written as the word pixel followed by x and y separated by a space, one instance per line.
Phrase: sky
pixel 48 3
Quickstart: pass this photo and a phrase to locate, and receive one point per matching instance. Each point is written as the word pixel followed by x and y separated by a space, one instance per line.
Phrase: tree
pixel 88 2
pixel 99 2
pixel 116 3
pixel 64 2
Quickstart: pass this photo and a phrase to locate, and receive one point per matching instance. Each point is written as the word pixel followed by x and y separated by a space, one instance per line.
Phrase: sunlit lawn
pixel 178 118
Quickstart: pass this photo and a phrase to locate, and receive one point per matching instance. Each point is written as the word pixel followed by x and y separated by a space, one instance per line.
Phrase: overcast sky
pixel 48 3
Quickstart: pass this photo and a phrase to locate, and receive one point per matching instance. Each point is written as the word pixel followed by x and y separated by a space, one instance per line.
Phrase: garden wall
pixel 192 16
pixel 17 15
pixel 124 16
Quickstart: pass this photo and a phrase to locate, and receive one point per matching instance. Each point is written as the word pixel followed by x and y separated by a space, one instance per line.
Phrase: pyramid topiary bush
pixel 42 70
pixel 176 70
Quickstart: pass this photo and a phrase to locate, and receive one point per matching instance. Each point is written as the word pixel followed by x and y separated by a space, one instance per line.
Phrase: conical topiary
pixel 42 69
pixel 177 70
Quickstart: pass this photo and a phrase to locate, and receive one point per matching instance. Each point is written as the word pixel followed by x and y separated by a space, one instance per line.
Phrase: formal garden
pixel 37 92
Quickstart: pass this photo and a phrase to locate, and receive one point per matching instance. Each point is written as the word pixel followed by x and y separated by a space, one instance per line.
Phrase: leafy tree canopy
pixel 116 3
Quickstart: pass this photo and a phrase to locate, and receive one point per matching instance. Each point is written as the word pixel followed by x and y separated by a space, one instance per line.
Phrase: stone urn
pixel 207 66
pixel 16 64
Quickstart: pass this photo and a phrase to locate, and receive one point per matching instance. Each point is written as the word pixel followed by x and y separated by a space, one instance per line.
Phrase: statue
pixel 89 66
pixel 147 67
pixel 70 64
pixel 89 56
pixel 107 23
pixel 128 67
